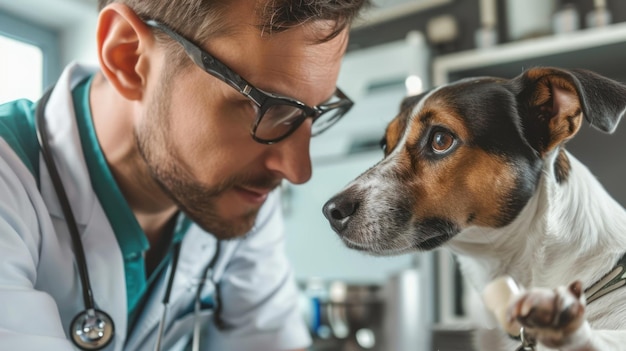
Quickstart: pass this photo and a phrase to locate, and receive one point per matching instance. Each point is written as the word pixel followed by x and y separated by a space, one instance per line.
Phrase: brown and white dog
pixel 479 166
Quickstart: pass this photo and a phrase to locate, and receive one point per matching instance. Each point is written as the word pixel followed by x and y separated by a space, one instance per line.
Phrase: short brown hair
pixel 199 19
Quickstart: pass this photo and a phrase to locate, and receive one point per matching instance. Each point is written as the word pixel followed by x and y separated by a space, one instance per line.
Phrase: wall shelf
pixel 599 49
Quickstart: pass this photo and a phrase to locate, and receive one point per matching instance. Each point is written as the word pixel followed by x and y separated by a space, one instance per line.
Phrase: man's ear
pixel 122 41
pixel 552 103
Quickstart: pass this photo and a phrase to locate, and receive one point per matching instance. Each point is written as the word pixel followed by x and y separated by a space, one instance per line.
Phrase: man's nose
pixel 291 157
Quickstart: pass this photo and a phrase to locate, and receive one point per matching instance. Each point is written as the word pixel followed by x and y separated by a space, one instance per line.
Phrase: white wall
pixel 78 43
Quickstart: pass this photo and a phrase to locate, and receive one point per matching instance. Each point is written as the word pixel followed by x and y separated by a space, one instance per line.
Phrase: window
pixel 21 70
pixel 29 60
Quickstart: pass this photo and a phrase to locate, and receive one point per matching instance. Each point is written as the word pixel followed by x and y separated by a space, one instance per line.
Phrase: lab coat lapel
pixel 147 323
pixel 64 141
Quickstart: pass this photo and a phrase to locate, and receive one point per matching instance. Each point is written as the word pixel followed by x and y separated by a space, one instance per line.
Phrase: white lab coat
pixel 41 291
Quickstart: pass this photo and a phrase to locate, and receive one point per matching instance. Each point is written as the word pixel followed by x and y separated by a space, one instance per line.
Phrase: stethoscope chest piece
pixel 92 330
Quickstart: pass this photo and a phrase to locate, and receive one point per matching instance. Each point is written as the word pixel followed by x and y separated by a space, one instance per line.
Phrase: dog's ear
pixel 603 100
pixel 553 102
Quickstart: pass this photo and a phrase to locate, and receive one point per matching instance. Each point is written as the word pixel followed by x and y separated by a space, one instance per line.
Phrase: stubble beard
pixel 196 200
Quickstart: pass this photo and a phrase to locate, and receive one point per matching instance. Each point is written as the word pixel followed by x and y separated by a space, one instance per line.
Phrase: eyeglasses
pixel 277 116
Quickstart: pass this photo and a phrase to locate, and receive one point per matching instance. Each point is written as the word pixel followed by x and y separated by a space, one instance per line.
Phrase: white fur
pixel 566 232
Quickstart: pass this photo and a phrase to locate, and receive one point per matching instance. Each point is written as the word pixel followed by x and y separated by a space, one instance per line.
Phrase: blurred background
pixel 352 301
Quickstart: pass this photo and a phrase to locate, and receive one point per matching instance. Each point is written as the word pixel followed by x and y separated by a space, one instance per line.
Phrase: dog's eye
pixel 442 141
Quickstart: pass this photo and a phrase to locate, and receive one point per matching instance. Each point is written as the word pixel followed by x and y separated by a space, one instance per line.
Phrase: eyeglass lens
pixel 325 120
pixel 279 120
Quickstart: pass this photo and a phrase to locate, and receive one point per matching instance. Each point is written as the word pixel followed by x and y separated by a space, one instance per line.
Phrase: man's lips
pixel 255 196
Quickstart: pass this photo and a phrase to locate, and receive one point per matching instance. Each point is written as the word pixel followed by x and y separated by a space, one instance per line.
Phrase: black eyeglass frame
pixel 264 100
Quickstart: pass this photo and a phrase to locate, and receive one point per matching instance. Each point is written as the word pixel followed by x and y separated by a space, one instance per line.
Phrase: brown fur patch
pixel 562 167
pixel 394 132
pixel 467 187
pixel 471 186
pixel 537 73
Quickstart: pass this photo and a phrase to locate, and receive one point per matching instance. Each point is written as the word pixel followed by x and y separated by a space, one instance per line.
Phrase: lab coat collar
pixel 65 144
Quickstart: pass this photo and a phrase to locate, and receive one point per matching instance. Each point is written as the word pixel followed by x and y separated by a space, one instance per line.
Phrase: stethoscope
pixel 93 329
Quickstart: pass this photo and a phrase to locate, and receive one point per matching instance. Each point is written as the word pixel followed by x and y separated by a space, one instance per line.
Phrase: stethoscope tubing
pixel 166 297
pixel 90 314
pixel 59 188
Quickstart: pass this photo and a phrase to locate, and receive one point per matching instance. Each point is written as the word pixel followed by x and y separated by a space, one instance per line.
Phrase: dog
pixel 479 167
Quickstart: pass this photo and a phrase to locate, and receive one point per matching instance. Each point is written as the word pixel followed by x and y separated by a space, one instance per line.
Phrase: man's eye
pixel 442 141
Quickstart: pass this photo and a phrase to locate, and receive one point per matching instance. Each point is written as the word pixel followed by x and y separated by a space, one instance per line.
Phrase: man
pixel 167 156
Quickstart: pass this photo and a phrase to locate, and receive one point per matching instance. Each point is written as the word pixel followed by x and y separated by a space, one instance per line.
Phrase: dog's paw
pixel 550 316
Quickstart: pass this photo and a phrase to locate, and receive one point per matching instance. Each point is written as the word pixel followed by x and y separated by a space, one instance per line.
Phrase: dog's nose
pixel 338 211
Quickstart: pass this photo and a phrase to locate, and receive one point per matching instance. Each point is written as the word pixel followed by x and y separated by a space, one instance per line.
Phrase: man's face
pixel 195 135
